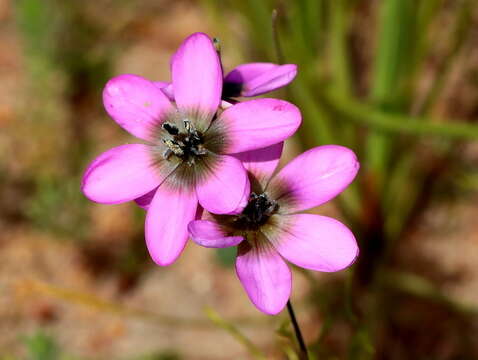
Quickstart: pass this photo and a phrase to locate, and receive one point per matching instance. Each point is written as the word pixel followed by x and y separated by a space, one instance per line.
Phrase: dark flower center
pixel 186 144
pixel 257 211
pixel 231 90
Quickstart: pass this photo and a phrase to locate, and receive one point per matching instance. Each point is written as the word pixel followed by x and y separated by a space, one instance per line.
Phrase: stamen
pixel 257 211
pixel 170 128
pixel 186 144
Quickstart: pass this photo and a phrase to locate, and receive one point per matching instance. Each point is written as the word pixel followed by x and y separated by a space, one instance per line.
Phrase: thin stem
pixel 298 334
pixel 275 37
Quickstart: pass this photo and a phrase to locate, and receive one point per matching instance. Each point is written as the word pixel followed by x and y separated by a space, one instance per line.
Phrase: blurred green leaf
pixel 226 256
pixel 41 347
pixel 394 123
pixel 253 350
pixel 393 60
pixel 161 355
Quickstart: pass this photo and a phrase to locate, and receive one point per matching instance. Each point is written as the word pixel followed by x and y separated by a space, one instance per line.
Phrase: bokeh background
pixel 396 80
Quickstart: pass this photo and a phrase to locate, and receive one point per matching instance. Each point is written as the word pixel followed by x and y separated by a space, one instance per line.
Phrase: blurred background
pixel 396 80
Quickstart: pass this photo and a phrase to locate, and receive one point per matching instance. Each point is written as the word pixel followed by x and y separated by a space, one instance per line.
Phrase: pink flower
pixel 248 80
pixel 271 229
pixel 186 156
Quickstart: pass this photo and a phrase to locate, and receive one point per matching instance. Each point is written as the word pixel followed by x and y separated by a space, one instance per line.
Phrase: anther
pixel 170 128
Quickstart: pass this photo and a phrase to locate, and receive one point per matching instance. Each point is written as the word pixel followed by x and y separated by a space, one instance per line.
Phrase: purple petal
pixel 166 88
pixel 247 72
pixel 265 276
pixel 261 163
pixel 225 189
pixel 145 200
pixel 136 104
pixel 314 177
pixel 209 234
pixel 259 78
pixel 259 123
pixel 121 174
pixel 167 222
pixel 317 243
pixel 197 77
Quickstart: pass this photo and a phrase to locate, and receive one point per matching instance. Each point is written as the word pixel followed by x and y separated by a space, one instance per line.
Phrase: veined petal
pixel 259 78
pixel 197 78
pixel 258 123
pixel 167 222
pixel 136 104
pixel 166 88
pixel 261 163
pixel 122 174
pixel 313 178
pixel 209 234
pixel 226 186
pixel 316 242
pixel 265 277
pixel 145 200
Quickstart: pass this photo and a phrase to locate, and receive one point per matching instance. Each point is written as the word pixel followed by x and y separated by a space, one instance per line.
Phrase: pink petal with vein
pixel 314 177
pixel 136 104
pixel 317 243
pixel 225 188
pixel 266 278
pixel 258 123
pixel 209 234
pixel 260 78
pixel 166 223
pixel 121 174
pixel 197 76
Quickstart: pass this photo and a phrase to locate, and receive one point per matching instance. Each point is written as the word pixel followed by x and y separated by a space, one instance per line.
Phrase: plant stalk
pixel 298 334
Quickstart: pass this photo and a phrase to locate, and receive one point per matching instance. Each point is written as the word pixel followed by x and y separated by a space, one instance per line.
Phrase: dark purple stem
pixel 298 334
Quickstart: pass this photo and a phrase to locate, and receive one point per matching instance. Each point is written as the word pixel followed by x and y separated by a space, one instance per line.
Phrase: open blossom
pixel 248 80
pixel 271 229
pixel 186 156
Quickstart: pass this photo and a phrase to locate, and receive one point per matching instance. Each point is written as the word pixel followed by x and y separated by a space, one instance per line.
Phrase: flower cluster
pixel 205 170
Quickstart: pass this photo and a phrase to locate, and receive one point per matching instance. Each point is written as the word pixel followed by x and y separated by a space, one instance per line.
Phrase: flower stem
pixel 298 334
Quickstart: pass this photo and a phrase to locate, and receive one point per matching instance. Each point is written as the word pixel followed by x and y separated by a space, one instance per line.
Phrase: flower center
pixel 186 144
pixel 257 211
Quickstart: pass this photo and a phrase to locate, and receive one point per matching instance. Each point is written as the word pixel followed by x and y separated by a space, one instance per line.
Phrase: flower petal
pixel 259 78
pixel 145 200
pixel 261 163
pixel 225 188
pixel 313 178
pixel 258 123
pixel 197 77
pixel 122 174
pixel 136 104
pixel 265 276
pixel 167 222
pixel 209 234
pixel 316 242
pixel 166 88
